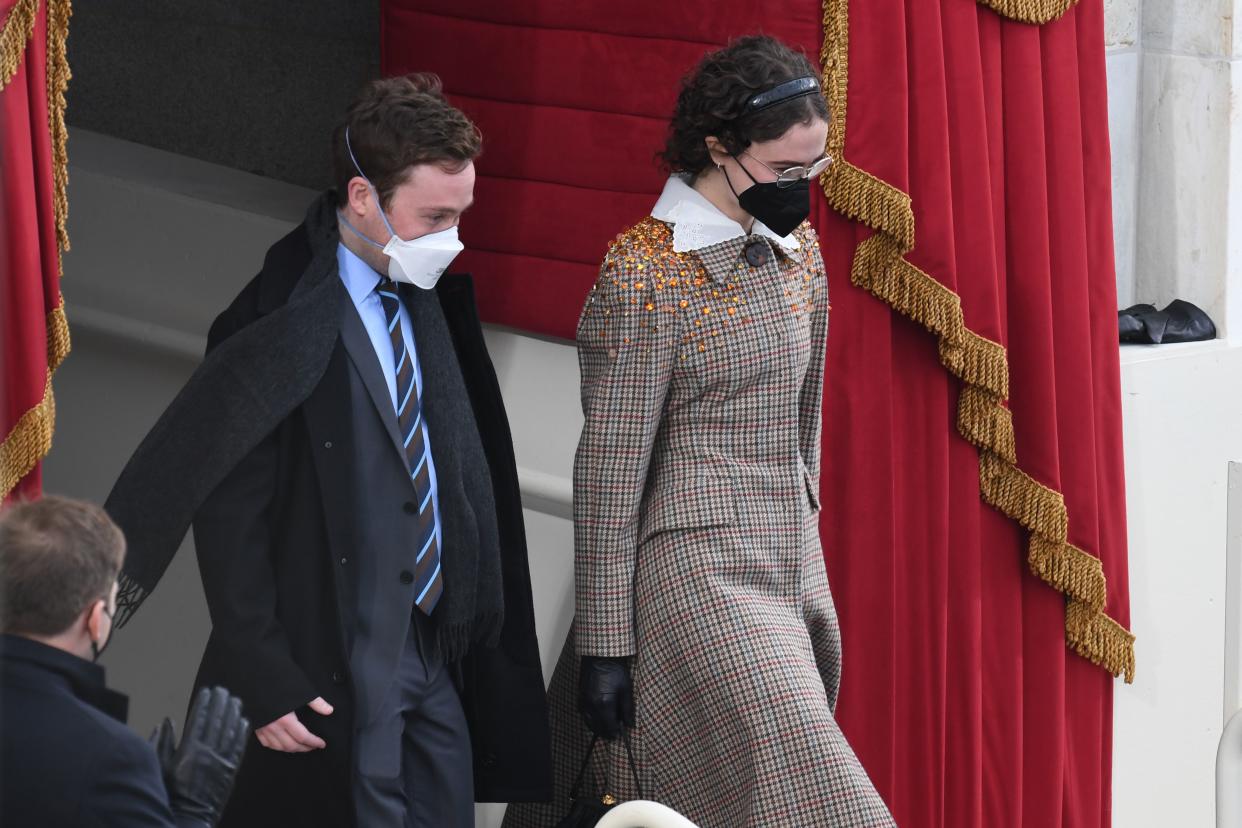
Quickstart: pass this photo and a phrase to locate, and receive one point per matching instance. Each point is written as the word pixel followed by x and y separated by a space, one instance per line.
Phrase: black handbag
pixel 586 811
pixel 1179 322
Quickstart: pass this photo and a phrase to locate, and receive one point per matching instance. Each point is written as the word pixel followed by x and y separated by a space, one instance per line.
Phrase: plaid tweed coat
pixel 696 536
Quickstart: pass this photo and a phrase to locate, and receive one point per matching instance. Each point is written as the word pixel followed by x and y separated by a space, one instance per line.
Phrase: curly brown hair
pixel 713 99
pixel 398 123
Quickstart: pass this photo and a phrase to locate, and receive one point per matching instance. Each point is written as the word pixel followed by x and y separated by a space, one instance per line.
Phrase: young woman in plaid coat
pixel 704 622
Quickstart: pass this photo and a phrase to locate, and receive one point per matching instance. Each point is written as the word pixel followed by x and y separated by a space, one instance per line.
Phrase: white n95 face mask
pixel 419 262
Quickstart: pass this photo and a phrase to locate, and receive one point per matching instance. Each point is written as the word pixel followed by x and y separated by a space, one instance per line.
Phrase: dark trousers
pixel 413 766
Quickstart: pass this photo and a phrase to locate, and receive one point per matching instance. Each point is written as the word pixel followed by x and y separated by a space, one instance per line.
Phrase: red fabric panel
pixel 998 131
pixel 29 256
pixel 573 101
pixel 959 694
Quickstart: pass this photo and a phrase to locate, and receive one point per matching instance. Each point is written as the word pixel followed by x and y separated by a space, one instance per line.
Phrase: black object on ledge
pixel 1179 322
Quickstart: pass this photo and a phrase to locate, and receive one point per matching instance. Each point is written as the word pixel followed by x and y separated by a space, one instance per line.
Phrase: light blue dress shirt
pixel 361 280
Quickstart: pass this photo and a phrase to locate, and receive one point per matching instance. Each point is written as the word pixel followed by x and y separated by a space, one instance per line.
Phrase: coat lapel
pixel 362 354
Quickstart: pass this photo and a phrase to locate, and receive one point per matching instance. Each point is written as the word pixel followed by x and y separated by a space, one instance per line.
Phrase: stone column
pixel 1121 36
pixel 1189 212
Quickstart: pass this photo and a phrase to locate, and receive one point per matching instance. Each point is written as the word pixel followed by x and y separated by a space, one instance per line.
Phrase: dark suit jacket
pixel 271 540
pixel 66 757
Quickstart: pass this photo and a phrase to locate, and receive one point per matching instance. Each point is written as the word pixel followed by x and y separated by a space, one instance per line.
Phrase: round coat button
pixel 410 507
pixel 756 253
pixel 407 577
pixel 338 677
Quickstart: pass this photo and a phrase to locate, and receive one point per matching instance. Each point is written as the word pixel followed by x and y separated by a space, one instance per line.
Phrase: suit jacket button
pixel 407 577
pixel 489 760
pixel 756 253
pixel 344 561
pixel 328 444
pixel 410 507
pixel 338 677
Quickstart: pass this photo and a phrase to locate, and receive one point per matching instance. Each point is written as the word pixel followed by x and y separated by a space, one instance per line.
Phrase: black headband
pixel 787 91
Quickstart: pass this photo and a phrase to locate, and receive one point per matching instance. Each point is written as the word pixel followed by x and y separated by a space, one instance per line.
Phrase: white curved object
pixel 641 813
pixel 1228 775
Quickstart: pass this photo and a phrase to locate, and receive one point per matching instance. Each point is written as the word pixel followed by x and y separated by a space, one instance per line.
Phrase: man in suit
pixel 345 456
pixel 67 760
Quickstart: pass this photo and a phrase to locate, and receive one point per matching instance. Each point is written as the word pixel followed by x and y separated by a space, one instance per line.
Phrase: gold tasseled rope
pixel 14 35
pixel 1037 12
pixel 58 13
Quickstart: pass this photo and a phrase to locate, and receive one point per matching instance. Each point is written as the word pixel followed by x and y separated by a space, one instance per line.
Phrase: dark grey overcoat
pixel 271 541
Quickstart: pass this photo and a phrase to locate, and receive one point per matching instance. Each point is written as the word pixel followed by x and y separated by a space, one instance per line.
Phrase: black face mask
pixel 782 209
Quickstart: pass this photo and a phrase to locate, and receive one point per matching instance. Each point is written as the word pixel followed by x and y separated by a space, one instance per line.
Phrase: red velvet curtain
pixel 960 693
pixel 33 335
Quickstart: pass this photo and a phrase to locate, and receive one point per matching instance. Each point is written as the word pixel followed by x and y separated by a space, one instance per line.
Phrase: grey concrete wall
pixel 256 85
pixel 108 395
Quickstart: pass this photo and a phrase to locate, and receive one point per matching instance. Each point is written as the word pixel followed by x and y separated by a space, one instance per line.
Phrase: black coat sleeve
pixel 128 790
pixel 232 538
pixel 233 543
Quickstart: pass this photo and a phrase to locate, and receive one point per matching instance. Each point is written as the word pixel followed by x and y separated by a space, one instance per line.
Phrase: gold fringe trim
pixel 58 14
pixel 14 38
pixel 14 35
pixel 1037 12
pixel 30 439
pixel 982 365
pixel 28 442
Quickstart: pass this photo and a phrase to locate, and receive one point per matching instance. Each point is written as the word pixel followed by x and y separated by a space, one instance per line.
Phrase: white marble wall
pixel 1121 39
pixel 1121 24
pixel 1203 28
pixel 1184 187
pixel 1123 64
pixel 1166 726
pixel 1189 171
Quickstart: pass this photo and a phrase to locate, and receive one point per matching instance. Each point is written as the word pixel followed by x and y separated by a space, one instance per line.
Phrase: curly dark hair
pixel 713 99
pixel 398 123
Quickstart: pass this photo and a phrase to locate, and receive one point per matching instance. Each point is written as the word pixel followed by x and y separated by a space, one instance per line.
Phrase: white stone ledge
pixel 144 167
pixel 1209 58
pixel 167 341
pixel 1137 354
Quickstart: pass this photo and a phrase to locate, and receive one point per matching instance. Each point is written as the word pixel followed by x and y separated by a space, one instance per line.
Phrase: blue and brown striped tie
pixel 428 580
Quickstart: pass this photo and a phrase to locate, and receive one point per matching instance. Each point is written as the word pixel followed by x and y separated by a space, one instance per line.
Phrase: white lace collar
pixel 697 223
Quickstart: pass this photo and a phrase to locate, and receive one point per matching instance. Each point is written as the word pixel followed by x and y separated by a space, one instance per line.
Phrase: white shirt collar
pixel 697 223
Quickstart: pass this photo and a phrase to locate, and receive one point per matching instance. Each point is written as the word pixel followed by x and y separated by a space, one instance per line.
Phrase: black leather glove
pixel 199 772
pixel 606 695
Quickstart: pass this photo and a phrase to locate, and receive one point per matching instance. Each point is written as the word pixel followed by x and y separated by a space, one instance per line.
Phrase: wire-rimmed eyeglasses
pixel 791 176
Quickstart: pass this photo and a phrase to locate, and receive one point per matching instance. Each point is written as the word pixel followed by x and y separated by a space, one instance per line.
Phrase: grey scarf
pixel 252 381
